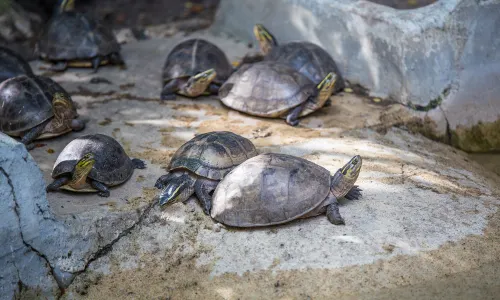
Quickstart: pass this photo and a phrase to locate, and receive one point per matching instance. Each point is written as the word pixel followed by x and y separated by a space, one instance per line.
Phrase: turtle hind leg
pixel 333 213
pixel 101 187
pixel 203 188
pixel 59 66
pixel 354 193
pixel 163 180
pixel 169 90
pixel 56 184
pixel 138 164
pixel 28 138
pixel 116 59
pixel 293 117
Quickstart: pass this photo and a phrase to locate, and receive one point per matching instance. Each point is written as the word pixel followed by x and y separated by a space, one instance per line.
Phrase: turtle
pixel 12 64
pixel 36 107
pixel 199 165
pixel 308 58
pixel 275 188
pixel 271 89
pixel 194 67
pixel 72 39
pixel 92 163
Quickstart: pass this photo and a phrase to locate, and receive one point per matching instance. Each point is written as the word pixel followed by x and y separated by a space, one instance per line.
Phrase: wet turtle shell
pixel 194 56
pixel 72 36
pixel 213 154
pixel 112 165
pixel 26 101
pixel 270 189
pixel 12 65
pixel 266 89
pixel 309 59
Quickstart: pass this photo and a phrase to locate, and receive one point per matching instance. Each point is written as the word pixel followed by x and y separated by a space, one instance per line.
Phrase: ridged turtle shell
pixel 75 36
pixel 266 89
pixel 12 64
pixel 26 101
pixel 309 59
pixel 112 167
pixel 270 189
pixel 213 154
pixel 193 56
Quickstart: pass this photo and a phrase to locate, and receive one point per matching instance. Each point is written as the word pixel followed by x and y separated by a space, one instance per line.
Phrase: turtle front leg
pixel 213 88
pixel 203 187
pixel 32 134
pixel 354 193
pixel 169 90
pixel 59 66
pixel 332 211
pixel 116 59
pixel 293 117
pixel 57 183
pixel 101 187
pixel 96 62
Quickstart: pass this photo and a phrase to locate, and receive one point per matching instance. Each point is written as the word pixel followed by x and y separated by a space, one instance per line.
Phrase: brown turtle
pixel 199 165
pixel 275 188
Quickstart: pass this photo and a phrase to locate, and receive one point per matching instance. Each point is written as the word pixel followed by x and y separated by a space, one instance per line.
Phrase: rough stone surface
pixel 411 56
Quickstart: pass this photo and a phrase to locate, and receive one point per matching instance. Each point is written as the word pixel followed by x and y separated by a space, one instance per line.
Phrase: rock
pixel 441 56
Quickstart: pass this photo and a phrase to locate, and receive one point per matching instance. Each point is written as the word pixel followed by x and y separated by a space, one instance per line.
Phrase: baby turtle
pixel 12 65
pixel 199 165
pixel 92 163
pixel 309 59
pixel 274 188
pixel 36 107
pixel 72 39
pixel 194 67
pixel 273 90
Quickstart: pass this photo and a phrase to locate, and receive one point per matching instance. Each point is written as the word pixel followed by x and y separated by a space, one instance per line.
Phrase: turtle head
pixel 265 38
pixel 83 167
pixel 64 111
pixel 326 88
pixel 344 179
pixel 178 189
pixel 65 5
pixel 198 84
pixel 351 169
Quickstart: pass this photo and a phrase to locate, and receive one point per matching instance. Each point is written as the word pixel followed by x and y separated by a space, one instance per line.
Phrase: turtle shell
pixel 270 189
pixel 194 56
pixel 112 165
pixel 12 64
pixel 266 89
pixel 213 154
pixel 75 36
pixel 309 59
pixel 25 102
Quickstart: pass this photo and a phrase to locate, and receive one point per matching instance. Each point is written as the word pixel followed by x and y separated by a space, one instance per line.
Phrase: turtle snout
pixel 77 125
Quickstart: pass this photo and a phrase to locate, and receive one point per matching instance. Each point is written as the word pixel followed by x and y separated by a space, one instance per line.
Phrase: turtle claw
pixel 354 193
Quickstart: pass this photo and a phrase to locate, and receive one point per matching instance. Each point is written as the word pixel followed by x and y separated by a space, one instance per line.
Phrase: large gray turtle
pixel 199 165
pixel 12 65
pixel 274 188
pixel 92 163
pixel 36 107
pixel 194 67
pixel 72 39
pixel 275 90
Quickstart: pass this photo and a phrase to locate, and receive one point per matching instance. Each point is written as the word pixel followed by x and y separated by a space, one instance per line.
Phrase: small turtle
pixel 274 188
pixel 194 67
pixel 92 163
pixel 36 107
pixel 12 65
pixel 309 59
pixel 199 165
pixel 270 89
pixel 72 39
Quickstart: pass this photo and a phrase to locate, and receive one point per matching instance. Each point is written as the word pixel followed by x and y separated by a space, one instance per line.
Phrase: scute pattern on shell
pixel 270 189
pixel 266 89
pixel 12 65
pixel 112 165
pixel 193 56
pixel 74 36
pixel 26 101
pixel 213 154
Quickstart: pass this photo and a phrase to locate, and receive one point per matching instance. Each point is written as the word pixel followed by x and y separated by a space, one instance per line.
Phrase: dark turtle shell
pixel 12 64
pixel 270 189
pixel 112 165
pixel 194 56
pixel 26 101
pixel 75 36
pixel 309 59
pixel 213 154
pixel 266 89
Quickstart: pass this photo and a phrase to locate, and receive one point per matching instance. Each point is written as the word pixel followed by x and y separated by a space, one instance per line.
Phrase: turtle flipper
pixel 162 181
pixel 57 183
pixel 203 188
pixel 354 193
pixel 59 66
pixel 169 90
pixel 32 134
pixel 293 117
pixel 138 164
pixel 333 213
pixel 101 187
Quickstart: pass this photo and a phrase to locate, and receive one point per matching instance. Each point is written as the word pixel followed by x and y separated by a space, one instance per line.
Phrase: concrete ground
pixel 427 226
